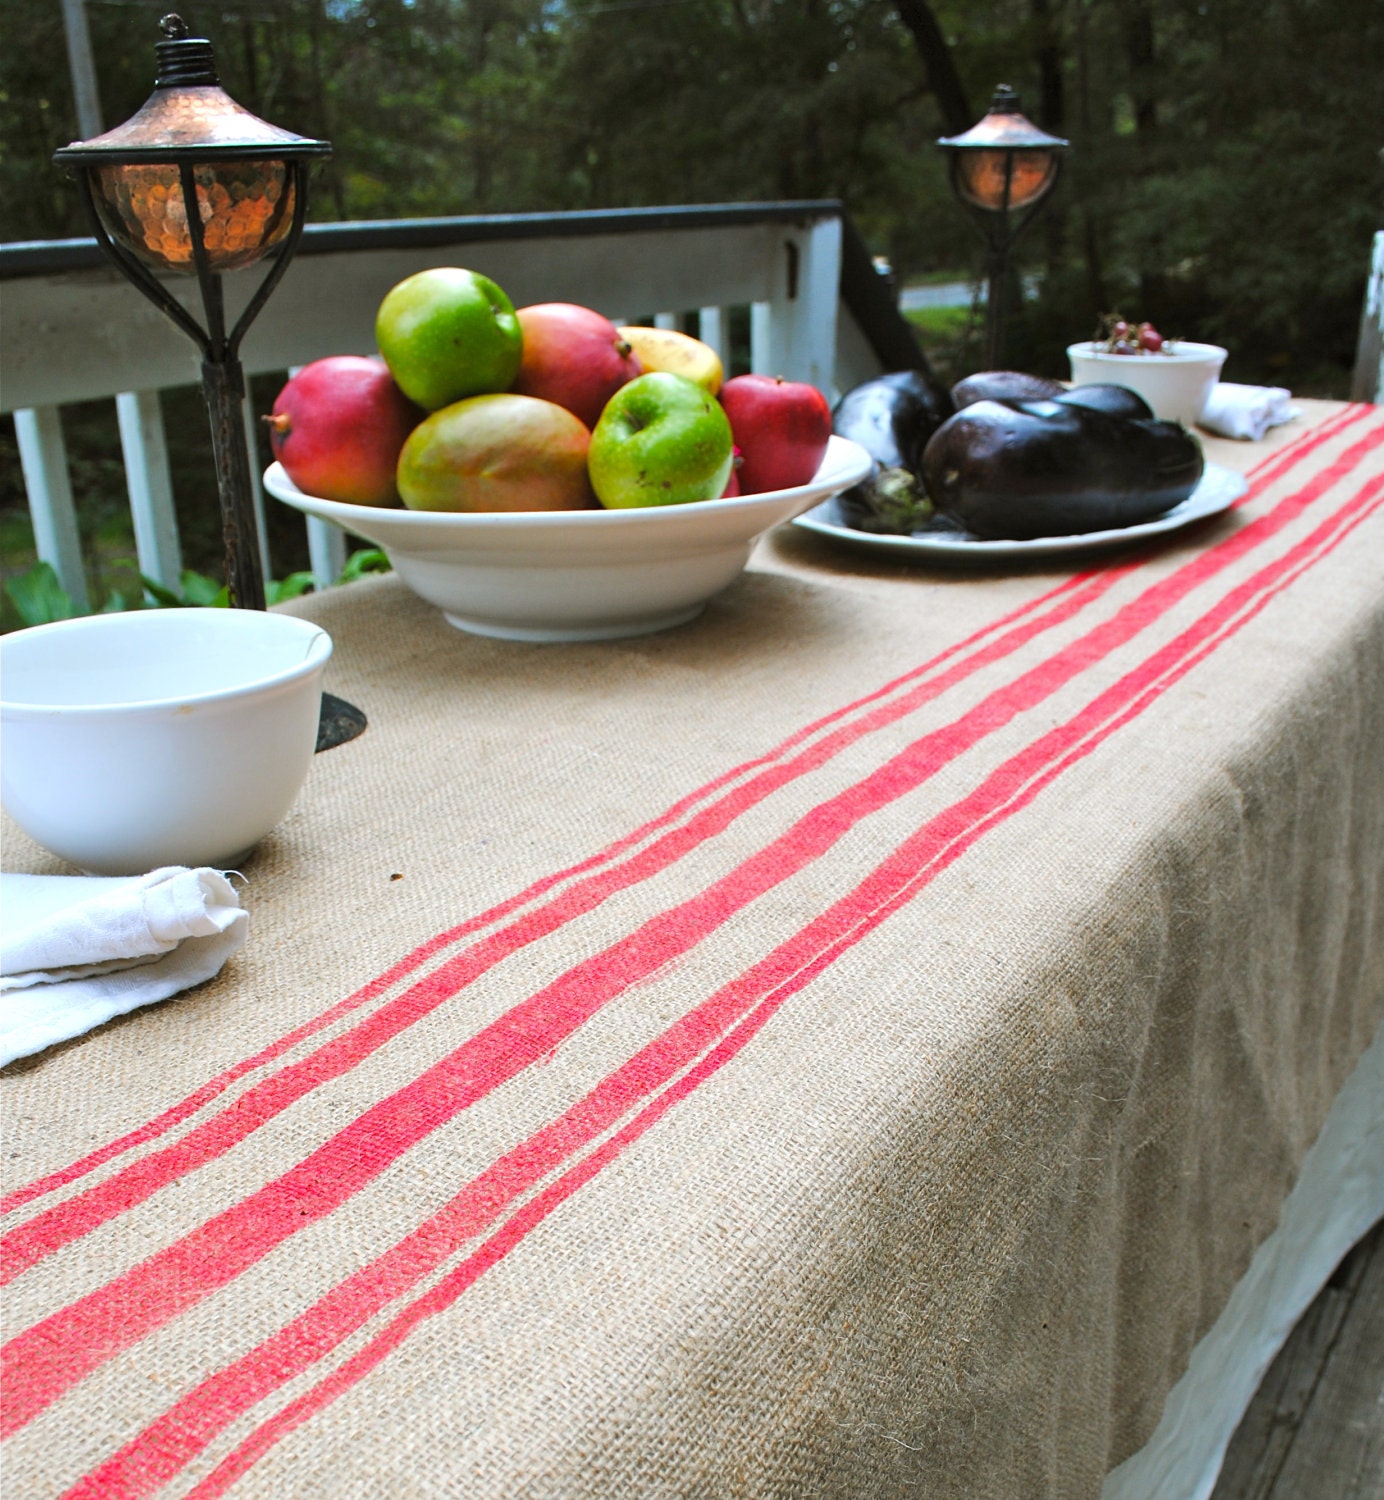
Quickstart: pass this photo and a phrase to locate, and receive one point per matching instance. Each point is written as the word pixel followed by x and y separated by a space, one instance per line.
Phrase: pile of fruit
pixel 475 406
pixel 1009 456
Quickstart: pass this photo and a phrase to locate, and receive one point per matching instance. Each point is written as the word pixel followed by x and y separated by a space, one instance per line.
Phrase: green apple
pixel 662 440
pixel 447 334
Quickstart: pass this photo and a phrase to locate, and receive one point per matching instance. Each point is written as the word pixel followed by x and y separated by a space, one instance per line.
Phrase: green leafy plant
pixel 202 592
pixel 364 560
pixel 197 589
pixel 276 591
pixel 39 598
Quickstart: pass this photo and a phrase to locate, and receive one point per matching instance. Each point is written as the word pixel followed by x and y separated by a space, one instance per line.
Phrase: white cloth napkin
pixel 1246 411
pixel 76 950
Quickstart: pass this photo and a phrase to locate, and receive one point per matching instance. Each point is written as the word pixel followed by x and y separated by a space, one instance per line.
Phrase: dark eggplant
pixel 1003 385
pixel 892 418
pixel 1023 469
pixel 1118 400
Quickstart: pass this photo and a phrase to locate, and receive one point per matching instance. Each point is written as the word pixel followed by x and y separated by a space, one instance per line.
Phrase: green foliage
pixel 201 591
pixel 953 337
pixel 366 560
pixel 288 588
pixel 38 597
pixel 197 590
pixel 160 597
pixel 1223 180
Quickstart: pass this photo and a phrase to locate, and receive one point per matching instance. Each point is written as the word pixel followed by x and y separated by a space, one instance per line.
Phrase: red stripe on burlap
pixel 54 1354
pixel 50 1229
pixel 46 1232
pixel 197 1100
pixel 678 1062
pixel 1277 462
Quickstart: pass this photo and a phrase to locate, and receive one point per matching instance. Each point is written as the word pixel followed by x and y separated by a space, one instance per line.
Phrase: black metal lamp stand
pixel 194 184
pixel 1002 171
pixel 223 376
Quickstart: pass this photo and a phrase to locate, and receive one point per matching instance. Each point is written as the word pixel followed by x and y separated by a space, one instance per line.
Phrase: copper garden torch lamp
pixel 1002 170
pixel 195 185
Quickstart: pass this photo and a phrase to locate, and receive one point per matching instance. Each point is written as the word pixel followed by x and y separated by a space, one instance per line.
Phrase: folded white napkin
pixel 76 950
pixel 1246 411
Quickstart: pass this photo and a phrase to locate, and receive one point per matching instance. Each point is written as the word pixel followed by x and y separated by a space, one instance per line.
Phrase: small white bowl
pixel 577 575
pixel 158 737
pixel 1175 385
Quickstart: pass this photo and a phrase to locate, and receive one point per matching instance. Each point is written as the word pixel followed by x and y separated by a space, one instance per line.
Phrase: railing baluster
pixel 43 458
pixel 1367 383
pixel 326 551
pixel 150 485
pixel 252 442
pixel 762 354
pixel 711 329
pixel 665 320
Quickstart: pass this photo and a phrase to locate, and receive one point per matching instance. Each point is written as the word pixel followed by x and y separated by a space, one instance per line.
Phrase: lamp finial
pixel 1005 102
pixel 183 61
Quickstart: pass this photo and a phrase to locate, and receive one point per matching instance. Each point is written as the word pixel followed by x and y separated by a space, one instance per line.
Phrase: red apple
pixel 781 428
pixel 573 357
pixel 338 427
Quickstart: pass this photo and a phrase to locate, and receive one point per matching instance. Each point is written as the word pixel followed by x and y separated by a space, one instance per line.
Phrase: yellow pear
pixel 665 349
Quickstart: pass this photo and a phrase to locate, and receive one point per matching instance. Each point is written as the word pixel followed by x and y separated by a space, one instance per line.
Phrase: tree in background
pixel 1224 179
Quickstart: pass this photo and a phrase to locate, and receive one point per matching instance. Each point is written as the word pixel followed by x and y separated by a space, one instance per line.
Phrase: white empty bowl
pixel 1175 385
pixel 577 575
pixel 158 737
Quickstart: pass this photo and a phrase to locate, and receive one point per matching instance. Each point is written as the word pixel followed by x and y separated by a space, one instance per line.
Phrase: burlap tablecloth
pixel 847 1046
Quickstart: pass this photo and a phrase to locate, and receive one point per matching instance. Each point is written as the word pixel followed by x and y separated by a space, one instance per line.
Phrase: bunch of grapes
pixel 1116 335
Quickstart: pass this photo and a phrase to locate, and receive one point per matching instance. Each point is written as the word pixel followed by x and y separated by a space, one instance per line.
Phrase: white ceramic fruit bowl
pixel 1175 385
pixel 160 737
pixel 578 575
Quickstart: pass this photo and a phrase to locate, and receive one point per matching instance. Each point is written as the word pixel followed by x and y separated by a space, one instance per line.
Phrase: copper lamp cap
pixel 1005 127
pixel 240 165
pixel 189 113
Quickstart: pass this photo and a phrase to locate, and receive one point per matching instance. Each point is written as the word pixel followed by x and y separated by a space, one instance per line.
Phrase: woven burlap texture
pixel 950 1221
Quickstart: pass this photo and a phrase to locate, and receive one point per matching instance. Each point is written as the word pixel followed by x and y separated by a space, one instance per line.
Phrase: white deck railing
pixel 72 330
